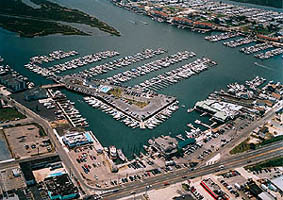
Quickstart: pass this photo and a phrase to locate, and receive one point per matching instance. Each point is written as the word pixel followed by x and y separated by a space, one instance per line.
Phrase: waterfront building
pixel 167 145
pixel 221 111
pixel 13 83
pixel 35 94
pixel 76 139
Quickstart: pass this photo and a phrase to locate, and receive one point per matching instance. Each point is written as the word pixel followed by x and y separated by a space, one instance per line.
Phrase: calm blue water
pixel 232 66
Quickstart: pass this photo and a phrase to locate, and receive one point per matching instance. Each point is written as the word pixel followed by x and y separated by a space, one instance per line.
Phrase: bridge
pixel 55 85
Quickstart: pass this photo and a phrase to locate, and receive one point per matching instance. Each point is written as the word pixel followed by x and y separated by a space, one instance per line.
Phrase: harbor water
pixel 138 33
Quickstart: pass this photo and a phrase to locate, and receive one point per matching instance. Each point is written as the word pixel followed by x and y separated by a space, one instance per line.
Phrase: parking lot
pixel 92 165
pixel 27 140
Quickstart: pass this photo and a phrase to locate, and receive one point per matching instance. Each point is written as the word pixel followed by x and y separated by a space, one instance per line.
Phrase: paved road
pixel 59 148
pixel 176 176
pixel 157 181
pixel 242 134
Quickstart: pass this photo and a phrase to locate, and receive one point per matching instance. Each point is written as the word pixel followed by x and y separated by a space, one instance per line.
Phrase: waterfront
pixel 232 66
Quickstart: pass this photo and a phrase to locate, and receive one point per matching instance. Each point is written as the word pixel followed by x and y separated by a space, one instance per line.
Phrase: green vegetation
pixel 45 20
pixel 42 133
pixel 245 146
pixel 242 147
pixel 274 139
pixel 140 104
pixel 32 28
pixel 10 114
pixel 117 92
pixel 274 162
pixel 270 3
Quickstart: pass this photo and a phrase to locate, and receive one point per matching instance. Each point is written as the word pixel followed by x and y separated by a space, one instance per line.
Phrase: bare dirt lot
pixel 27 140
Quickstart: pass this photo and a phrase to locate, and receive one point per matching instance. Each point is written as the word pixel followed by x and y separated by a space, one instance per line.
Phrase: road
pixel 176 176
pixel 58 147
pixel 242 134
pixel 157 181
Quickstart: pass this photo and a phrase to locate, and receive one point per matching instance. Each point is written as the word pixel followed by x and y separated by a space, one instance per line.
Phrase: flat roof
pixel 278 182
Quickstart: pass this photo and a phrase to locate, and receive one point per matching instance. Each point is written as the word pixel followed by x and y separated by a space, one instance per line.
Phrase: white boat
pixel 113 152
pixel 121 155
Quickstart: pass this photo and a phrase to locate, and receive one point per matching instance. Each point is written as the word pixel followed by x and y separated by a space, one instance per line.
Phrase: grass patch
pixel 274 139
pixel 10 114
pixel 245 146
pixel 117 92
pixel 242 147
pixel 140 104
pixel 245 28
pixel 274 162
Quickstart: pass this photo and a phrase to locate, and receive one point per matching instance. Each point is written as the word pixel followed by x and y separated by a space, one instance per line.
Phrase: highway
pixel 176 176
pixel 242 134
pixel 157 181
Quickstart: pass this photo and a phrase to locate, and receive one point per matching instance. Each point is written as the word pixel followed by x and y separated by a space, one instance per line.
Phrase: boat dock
pixel 222 36
pixel 150 67
pixel 122 62
pixel 205 125
pixel 174 76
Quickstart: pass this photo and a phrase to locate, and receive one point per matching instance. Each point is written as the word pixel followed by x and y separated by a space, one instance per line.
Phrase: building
pixel 35 94
pixel 13 83
pixel 76 139
pixel 67 189
pixel 167 145
pixel 278 183
pixel 221 111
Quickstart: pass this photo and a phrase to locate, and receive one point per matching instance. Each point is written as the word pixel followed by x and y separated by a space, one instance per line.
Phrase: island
pixel 47 18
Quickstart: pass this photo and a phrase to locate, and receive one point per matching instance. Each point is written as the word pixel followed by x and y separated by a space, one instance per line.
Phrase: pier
pixel 205 125
pixel 55 85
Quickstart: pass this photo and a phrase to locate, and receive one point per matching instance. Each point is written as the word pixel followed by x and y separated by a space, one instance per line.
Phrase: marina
pixel 82 61
pixel 13 79
pixel 174 76
pixel 239 42
pixel 222 36
pixel 150 67
pixel 64 109
pixel 154 35
pixel 255 48
pixel 122 62
pixel 269 54
pixel 54 55
pixel 149 123
pixel 68 65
